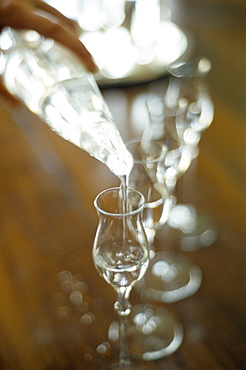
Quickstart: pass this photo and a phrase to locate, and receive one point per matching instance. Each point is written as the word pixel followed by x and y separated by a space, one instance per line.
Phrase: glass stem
pixel 123 308
pixel 124 362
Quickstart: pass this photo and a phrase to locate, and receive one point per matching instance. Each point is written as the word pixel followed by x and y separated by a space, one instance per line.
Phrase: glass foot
pixel 131 366
pixel 194 231
pixel 152 333
pixel 169 278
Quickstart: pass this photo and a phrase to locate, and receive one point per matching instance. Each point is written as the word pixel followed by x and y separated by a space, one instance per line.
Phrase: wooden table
pixel 48 222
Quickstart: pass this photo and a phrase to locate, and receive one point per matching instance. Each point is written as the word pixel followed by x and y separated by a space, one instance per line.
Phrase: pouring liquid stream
pixel 124 188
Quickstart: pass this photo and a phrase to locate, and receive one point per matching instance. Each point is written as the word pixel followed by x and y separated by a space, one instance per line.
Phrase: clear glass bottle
pixel 54 84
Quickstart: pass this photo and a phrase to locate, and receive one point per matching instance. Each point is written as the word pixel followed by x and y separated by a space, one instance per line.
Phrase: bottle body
pixel 53 84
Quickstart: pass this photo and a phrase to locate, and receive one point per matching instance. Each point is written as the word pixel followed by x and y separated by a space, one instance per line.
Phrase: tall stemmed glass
pixel 172 276
pixel 120 250
pixel 153 331
pixel 187 84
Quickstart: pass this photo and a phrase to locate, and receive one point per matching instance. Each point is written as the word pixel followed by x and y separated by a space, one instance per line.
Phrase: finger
pixel 71 24
pixel 51 28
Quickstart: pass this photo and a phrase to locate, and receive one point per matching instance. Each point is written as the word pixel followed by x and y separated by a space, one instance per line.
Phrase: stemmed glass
pixel 153 331
pixel 121 251
pixel 171 277
pixel 187 86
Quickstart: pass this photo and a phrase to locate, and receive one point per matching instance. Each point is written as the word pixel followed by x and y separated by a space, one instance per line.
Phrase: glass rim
pixel 154 160
pixel 167 112
pixel 119 214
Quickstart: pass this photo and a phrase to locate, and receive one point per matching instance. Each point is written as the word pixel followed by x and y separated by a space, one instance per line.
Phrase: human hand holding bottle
pixel 49 22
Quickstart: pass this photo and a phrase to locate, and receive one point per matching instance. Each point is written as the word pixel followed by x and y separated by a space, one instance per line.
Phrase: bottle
pixel 54 84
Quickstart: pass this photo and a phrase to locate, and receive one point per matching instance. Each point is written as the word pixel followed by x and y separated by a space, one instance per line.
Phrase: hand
pixel 46 20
